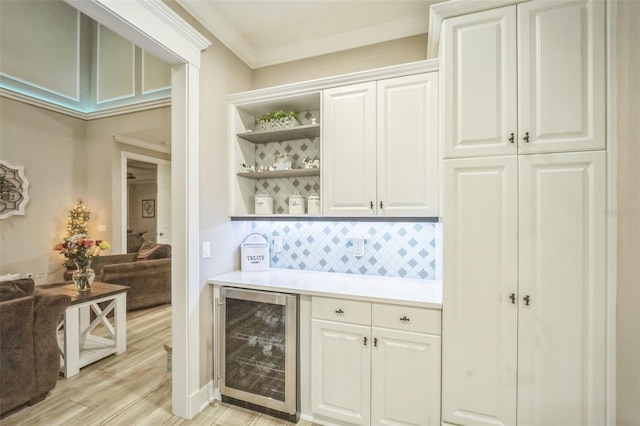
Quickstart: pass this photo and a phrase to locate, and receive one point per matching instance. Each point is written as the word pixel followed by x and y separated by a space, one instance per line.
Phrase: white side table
pixel 78 347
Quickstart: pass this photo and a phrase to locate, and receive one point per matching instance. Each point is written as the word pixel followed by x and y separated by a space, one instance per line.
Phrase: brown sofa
pixel 29 354
pixel 147 273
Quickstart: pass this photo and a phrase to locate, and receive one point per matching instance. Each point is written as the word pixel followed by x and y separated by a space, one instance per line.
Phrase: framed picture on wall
pixel 148 208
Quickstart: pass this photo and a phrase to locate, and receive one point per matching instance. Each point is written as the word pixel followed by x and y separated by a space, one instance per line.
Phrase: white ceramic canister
pixel 313 204
pixel 264 203
pixel 296 204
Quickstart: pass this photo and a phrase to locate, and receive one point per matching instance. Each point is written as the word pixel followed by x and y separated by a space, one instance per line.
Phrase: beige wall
pixel 51 148
pixel 104 180
pixel 221 73
pixel 628 313
pixel 64 158
pixel 379 55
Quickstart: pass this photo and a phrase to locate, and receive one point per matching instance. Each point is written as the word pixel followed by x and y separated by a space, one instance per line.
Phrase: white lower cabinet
pixel 341 369
pixel 375 366
pixel 405 378
pixel 525 294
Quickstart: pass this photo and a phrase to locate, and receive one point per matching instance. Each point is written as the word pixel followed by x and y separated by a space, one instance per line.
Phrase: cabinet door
pixel 480 271
pixel 405 378
pixel 561 353
pixel 340 357
pixel 561 75
pixel 349 150
pixel 479 83
pixel 408 146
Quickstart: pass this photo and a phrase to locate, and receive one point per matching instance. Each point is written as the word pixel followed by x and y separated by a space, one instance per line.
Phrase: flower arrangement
pixel 81 250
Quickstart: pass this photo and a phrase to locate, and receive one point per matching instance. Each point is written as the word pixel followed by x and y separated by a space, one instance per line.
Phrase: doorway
pixel 146 200
pixel 152 26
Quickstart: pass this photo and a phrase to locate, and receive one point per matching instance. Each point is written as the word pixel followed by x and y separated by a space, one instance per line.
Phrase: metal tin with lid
pixel 254 253
pixel 264 203
pixel 296 204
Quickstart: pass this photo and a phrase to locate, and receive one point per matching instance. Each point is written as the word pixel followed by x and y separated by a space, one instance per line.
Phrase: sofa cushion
pixel 14 289
pixel 150 250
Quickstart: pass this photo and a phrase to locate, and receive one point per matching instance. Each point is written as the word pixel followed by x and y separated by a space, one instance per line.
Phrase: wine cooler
pixel 260 351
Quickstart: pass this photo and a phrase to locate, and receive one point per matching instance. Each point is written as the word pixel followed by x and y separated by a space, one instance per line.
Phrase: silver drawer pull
pixel 404 319
pixel 339 311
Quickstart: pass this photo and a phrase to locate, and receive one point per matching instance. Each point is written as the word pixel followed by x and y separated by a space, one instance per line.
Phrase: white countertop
pixel 426 293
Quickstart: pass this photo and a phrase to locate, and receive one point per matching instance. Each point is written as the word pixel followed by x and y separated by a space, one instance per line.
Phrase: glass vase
pixel 83 278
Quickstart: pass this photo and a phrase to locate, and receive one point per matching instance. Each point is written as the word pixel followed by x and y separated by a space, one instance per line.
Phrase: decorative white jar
pixel 313 204
pixel 264 203
pixel 296 204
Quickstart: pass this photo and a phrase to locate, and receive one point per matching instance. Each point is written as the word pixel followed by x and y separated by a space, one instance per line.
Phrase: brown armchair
pixel 146 273
pixel 29 354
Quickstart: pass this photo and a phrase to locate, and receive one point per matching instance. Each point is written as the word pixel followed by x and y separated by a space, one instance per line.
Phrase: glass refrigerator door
pixel 255 347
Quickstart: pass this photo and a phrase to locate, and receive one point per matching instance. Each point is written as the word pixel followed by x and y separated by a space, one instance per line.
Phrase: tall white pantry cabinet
pixel 523 215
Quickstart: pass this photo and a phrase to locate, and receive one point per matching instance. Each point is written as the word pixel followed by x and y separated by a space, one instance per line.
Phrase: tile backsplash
pixel 392 249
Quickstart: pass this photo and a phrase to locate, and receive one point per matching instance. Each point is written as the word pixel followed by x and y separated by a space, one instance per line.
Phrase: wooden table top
pixel 98 290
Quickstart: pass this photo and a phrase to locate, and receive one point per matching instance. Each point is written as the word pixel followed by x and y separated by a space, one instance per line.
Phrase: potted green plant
pixel 278 119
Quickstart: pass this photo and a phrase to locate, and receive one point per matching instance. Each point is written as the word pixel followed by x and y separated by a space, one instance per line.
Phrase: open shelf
pixel 308 131
pixel 281 174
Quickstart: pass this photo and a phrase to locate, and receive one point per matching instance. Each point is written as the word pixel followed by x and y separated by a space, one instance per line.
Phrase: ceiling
pixel 270 32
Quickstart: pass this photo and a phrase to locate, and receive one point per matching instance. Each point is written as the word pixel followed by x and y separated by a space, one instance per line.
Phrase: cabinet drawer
pixel 409 318
pixel 351 311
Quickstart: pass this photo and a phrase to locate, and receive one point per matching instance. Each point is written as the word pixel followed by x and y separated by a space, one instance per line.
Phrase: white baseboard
pixel 199 400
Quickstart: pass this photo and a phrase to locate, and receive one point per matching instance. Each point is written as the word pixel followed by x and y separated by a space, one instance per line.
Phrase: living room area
pixel 59 122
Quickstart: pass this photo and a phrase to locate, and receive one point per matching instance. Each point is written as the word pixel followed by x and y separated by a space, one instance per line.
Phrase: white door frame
pixel 153 26
pixel 124 202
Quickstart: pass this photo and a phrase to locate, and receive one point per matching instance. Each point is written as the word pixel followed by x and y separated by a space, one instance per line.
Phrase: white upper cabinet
pixel 479 83
pixel 561 76
pixel 349 150
pixel 555 82
pixel 379 148
pixel 407 146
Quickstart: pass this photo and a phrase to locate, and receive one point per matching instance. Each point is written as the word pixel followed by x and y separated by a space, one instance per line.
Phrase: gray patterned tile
pixel 392 249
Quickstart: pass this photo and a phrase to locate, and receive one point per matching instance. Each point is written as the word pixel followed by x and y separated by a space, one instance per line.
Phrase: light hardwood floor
pixel 130 389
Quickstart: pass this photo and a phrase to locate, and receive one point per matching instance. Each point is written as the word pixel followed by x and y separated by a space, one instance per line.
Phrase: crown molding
pixel 448 9
pixel 20 97
pixel 206 14
pixel 348 40
pixel 154 146
pixel 127 109
pixel 174 21
pixel 154 21
pixel 306 87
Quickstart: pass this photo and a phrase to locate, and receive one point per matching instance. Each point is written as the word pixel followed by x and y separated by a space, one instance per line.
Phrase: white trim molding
pixel 125 109
pixel 132 89
pixel 612 205
pixel 72 97
pixel 153 26
pixel 141 21
pixel 154 146
pixel 304 87
pixel 209 17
